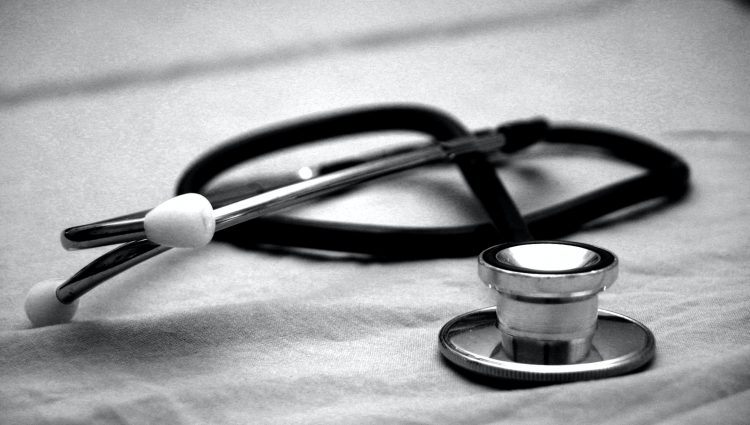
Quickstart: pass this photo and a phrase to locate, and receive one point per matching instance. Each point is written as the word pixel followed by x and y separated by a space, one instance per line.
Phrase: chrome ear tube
pixel 189 221
pixel 546 326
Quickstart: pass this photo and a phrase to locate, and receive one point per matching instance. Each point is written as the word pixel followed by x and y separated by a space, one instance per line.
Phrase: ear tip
pixel 185 221
pixel 42 306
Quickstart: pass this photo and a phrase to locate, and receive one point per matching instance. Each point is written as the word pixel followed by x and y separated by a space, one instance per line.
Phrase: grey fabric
pixel 103 104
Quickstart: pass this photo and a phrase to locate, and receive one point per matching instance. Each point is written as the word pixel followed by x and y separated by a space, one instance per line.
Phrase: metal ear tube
pixel 189 221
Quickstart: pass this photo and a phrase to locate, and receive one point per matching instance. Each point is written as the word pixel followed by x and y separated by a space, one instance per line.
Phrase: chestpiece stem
pixel 547 297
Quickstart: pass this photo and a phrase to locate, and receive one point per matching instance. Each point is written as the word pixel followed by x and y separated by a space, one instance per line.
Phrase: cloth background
pixel 103 104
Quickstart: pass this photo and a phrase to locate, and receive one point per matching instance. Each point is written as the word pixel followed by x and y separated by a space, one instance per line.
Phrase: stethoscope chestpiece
pixel 546 326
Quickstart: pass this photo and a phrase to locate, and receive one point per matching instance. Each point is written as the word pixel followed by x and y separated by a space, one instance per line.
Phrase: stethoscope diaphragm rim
pixel 621 345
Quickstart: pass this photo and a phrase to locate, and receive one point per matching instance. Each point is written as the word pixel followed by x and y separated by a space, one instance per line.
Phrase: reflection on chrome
pixel 548 257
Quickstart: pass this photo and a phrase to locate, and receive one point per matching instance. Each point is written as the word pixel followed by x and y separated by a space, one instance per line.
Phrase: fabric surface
pixel 103 104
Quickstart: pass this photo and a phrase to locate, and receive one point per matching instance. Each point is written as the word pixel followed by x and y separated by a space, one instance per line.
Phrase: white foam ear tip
pixel 42 306
pixel 185 221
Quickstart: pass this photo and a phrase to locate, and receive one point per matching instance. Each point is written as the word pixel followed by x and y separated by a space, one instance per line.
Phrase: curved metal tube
pixel 110 264
pixel 128 228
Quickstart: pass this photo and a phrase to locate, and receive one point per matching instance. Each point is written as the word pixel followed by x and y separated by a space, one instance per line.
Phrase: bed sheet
pixel 102 105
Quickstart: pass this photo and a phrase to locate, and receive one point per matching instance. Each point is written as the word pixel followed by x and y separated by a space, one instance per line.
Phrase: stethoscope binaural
pixel 546 326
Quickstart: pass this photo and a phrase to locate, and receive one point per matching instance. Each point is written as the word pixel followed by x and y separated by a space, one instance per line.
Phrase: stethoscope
pixel 546 325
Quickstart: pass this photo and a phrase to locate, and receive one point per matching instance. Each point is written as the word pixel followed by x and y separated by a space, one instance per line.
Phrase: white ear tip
pixel 42 306
pixel 185 221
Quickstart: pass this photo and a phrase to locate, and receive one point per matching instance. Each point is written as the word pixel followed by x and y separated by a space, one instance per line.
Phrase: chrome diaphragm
pixel 547 325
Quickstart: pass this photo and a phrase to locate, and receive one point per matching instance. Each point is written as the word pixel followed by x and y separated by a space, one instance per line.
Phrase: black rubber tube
pixel 666 176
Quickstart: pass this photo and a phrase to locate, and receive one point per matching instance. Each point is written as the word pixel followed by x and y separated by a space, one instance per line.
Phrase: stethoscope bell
pixel 546 326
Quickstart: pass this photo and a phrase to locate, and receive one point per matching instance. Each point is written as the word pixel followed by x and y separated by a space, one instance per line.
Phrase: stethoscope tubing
pixel 666 176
